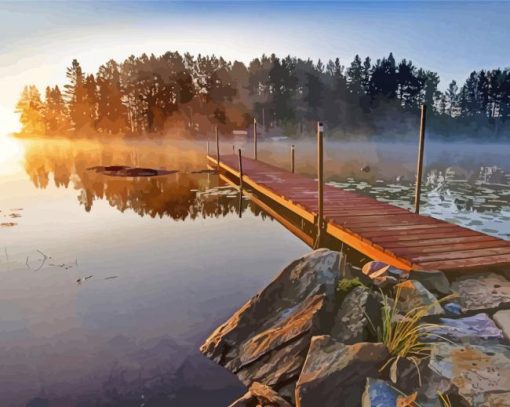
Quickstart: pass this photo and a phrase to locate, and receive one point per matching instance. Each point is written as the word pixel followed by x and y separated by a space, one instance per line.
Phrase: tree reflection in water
pixel 187 194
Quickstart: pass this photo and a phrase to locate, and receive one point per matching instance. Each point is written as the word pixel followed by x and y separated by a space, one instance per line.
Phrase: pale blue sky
pixel 39 39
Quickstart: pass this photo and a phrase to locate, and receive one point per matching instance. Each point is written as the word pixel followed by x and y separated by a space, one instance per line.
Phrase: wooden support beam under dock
pixel 379 230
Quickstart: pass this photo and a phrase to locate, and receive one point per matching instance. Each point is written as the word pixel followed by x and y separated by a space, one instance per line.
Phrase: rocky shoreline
pixel 323 333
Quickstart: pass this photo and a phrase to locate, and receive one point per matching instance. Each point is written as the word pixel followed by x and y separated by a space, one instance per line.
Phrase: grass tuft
pixel 404 335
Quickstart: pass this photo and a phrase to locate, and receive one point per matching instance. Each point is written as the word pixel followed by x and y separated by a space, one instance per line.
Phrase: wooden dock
pixel 379 230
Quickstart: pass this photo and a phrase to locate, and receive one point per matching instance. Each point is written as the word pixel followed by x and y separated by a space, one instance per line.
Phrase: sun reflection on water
pixel 11 154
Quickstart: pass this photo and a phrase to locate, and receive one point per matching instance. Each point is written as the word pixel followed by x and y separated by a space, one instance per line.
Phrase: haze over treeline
pixel 154 95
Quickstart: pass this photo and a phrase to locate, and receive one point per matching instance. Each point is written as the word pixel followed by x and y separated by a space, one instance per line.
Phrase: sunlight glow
pixel 11 152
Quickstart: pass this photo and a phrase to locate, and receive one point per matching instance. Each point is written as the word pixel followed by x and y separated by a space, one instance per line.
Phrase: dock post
pixel 240 171
pixel 292 168
pixel 254 139
pixel 207 147
pixel 419 164
pixel 217 147
pixel 320 183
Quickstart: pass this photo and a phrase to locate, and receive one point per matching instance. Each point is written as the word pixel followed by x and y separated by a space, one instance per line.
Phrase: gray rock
pixel 379 393
pixel 502 319
pixel 360 308
pixel 478 373
pixel 278 366
pixel 453 308
pixel 433 280
pixel 296 305
pixel 260 394
pixel 472 329
pixel 497 400
pixel 288 392
pixel 334 374
pixel 482 292
pixel 414 295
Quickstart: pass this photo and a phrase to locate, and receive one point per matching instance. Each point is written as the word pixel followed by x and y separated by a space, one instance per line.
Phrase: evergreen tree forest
pixel 190 95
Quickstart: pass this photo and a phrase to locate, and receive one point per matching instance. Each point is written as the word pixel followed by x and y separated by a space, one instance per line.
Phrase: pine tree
pixel 56 117
pixel 111 112
pixel 76 97
pixel 31 111
pixel 451 96
pixel 355 76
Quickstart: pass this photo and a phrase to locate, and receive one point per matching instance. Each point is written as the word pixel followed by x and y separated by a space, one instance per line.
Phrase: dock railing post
pixel 419 164
pixel 254 139
pixel 217 147
pixel 240 171
pixel 320 183
pixel 292 168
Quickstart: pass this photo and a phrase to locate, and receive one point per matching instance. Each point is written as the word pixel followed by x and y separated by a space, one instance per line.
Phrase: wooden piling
pixel 218 146
pixel 207 147
pixel 254 139
pixel 320 183
pixel 240 171
pixel 292 168
pixel 419 164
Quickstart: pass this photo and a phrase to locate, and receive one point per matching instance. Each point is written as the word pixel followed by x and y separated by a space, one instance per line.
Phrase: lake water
pixel 109 285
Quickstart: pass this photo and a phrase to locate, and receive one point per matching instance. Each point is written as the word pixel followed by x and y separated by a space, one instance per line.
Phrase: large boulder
pixel 356 317
pixel 414 295
pixel 482 292
pixel 502 318
pixel 478 374
pixel 432 280
pixel 473 329
pixel 334 374
pixel 266 340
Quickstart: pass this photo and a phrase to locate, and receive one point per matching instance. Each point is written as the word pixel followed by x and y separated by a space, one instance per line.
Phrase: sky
pixel 38 40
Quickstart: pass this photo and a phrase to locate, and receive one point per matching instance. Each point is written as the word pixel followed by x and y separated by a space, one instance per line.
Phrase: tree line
pixel 155 95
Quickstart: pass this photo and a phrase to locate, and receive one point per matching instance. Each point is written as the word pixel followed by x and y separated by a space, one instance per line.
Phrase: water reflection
pixel 191 193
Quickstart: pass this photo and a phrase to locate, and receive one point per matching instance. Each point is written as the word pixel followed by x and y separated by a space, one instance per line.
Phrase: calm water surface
pixel 109 284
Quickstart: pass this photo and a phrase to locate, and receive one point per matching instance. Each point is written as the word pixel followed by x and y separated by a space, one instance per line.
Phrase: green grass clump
pixel 404 335
pixel 345 285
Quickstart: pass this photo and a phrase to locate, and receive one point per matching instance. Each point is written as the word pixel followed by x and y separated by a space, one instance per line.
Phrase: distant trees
pixel 152 94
